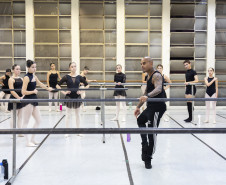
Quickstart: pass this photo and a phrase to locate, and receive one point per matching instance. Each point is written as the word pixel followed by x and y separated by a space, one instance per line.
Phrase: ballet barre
pixel 172 84
pixel 73 89
pixel 103 130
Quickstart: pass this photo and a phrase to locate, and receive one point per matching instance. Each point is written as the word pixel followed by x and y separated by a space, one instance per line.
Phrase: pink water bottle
pixel 61 107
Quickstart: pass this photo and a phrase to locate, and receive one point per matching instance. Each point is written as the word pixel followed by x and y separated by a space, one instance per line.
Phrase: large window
pixel 12 34
pixel 52 35
pixel 188 41
pixel 98 38
pixel 143 35
pixel 221 47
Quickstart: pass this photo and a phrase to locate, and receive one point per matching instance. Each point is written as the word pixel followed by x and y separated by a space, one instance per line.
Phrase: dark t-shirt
pixel 150 88
pixel 190 75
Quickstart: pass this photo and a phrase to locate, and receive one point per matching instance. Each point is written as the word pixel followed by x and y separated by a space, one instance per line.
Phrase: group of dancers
pixel 191 77
pixel 25 88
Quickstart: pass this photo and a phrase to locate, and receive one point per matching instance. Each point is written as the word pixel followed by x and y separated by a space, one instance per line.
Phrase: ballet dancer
pixel 4 80
pixel 52 77
pixel 16 82
pixel 72 80
pixel 119 78
pixel 211 92
pixel 29 91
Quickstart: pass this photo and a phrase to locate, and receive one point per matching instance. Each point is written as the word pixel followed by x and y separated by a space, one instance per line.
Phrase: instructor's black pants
pixel 150 117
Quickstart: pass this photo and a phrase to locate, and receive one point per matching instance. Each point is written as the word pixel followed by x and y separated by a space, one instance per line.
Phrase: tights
pixel 51 96
pixel 208 107
pixel 83 95
pixel 2 94
pixel 19 113
pixel 118 106
pixel 28 111
pixel 69 115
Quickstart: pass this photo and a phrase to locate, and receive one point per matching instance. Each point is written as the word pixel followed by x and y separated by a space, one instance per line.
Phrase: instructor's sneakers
pixel 188 120
pixel 148 164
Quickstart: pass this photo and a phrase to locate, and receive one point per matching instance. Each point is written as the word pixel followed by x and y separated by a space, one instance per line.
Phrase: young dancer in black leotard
pixel 119 78
pixel 16 82
pixel 30 92
pixel 52 76
pixel 211 92
pixel 166 80
pixel 72 81
pixel 4 81
pixel 83 93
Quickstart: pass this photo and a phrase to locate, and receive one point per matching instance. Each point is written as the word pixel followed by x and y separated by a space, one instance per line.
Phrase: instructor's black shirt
pixel 150 88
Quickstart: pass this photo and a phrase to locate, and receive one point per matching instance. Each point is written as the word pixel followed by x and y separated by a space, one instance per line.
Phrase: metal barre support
pixel 14 141
pixel 102 96
pixel 115 131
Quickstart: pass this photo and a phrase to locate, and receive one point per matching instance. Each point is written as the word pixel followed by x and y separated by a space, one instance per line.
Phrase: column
pixel 75 34
pixel 121 33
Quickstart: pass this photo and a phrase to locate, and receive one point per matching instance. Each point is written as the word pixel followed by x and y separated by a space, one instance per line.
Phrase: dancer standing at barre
pixel 211 92
pixel 16 82
pixel 83 93
pixel 144 80
pixel 166 80
pixel 52 77
pixel 73 81
pixel 4 80
pixel 143 87
pixel 191 77
pixel 154 111
pixel 119 94
pixel 30 92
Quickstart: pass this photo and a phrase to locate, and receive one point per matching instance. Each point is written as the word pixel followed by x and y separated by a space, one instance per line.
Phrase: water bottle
pixel 6 169
pixel 128 138
pixel 60 107
pixel 2 172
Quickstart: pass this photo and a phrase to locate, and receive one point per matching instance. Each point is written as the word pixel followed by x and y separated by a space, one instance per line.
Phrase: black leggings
pixel 152 118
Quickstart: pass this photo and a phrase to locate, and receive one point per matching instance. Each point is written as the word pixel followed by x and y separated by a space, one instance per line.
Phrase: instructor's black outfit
pixel 151 117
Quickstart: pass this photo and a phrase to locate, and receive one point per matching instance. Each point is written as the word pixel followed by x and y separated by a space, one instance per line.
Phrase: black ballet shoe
pixel 148 164
pixel 188 120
